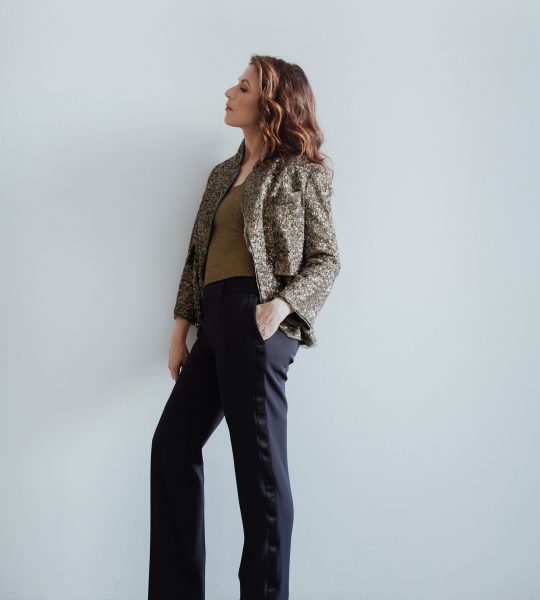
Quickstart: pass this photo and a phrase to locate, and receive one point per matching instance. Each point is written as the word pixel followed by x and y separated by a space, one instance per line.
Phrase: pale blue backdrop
pixel 413 425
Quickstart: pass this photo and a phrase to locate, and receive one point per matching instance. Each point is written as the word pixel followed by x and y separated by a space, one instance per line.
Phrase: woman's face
pixel 242 99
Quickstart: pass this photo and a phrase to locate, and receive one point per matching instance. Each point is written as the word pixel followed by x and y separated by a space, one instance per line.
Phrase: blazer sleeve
pixel 185 299
pixel 185 306
pixel 307 291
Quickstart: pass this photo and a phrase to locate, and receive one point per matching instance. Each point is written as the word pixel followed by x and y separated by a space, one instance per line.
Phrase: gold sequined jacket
pixel 289 229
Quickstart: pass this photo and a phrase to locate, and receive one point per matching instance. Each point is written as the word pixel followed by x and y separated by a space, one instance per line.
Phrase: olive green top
pixel 228 254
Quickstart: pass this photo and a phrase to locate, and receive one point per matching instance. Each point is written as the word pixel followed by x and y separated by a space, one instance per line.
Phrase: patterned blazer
pixel 289 229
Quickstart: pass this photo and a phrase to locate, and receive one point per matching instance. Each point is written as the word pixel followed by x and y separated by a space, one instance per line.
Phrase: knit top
pixel 228 254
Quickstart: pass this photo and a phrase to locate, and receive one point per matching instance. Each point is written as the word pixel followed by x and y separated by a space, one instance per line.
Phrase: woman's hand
pixel 269 315
pixel 178 351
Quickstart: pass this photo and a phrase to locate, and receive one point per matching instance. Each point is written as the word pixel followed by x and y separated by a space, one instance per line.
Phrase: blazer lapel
pixel 254 192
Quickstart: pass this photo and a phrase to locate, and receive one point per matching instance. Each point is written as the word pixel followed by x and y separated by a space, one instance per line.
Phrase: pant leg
pixel 177 544
pixel 251 376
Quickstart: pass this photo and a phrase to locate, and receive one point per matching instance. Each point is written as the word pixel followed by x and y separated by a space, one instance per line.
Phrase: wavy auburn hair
pixel 287 121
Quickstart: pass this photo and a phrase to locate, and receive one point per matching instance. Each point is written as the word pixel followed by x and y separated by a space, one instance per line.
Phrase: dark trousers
pixel 231 371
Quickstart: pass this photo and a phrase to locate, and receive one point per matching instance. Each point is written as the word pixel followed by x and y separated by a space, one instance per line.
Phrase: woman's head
pixel 274 99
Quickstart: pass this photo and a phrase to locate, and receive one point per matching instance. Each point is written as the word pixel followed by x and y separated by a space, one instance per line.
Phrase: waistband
pixel 231 285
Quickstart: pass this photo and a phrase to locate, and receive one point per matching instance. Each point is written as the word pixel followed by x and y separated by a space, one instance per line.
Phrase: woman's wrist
pixel 181 328
pixel 284 308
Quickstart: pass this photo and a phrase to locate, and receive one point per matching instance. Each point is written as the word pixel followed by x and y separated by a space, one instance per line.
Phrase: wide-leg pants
pixel 231 371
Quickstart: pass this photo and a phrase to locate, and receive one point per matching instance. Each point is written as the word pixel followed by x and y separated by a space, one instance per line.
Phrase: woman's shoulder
pixel 293 166
pixel 300 169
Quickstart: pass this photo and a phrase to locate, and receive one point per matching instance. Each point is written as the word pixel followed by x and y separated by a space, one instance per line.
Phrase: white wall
pixel 413 425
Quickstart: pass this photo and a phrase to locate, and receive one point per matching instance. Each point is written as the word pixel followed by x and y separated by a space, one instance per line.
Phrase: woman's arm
pixel 181 328
pixel 184 313
pixel 184 306
pixel 308 290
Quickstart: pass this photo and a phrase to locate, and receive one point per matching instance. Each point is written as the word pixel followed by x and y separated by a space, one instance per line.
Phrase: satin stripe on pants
pixel 231 371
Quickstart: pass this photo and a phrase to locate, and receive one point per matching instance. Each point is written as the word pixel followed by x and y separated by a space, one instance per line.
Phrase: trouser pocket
pixel 253 315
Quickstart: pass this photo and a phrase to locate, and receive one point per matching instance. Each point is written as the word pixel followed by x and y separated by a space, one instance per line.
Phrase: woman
pixel 261 261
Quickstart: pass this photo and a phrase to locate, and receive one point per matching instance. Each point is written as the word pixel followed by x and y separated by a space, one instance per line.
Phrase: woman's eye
pixel 244 89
